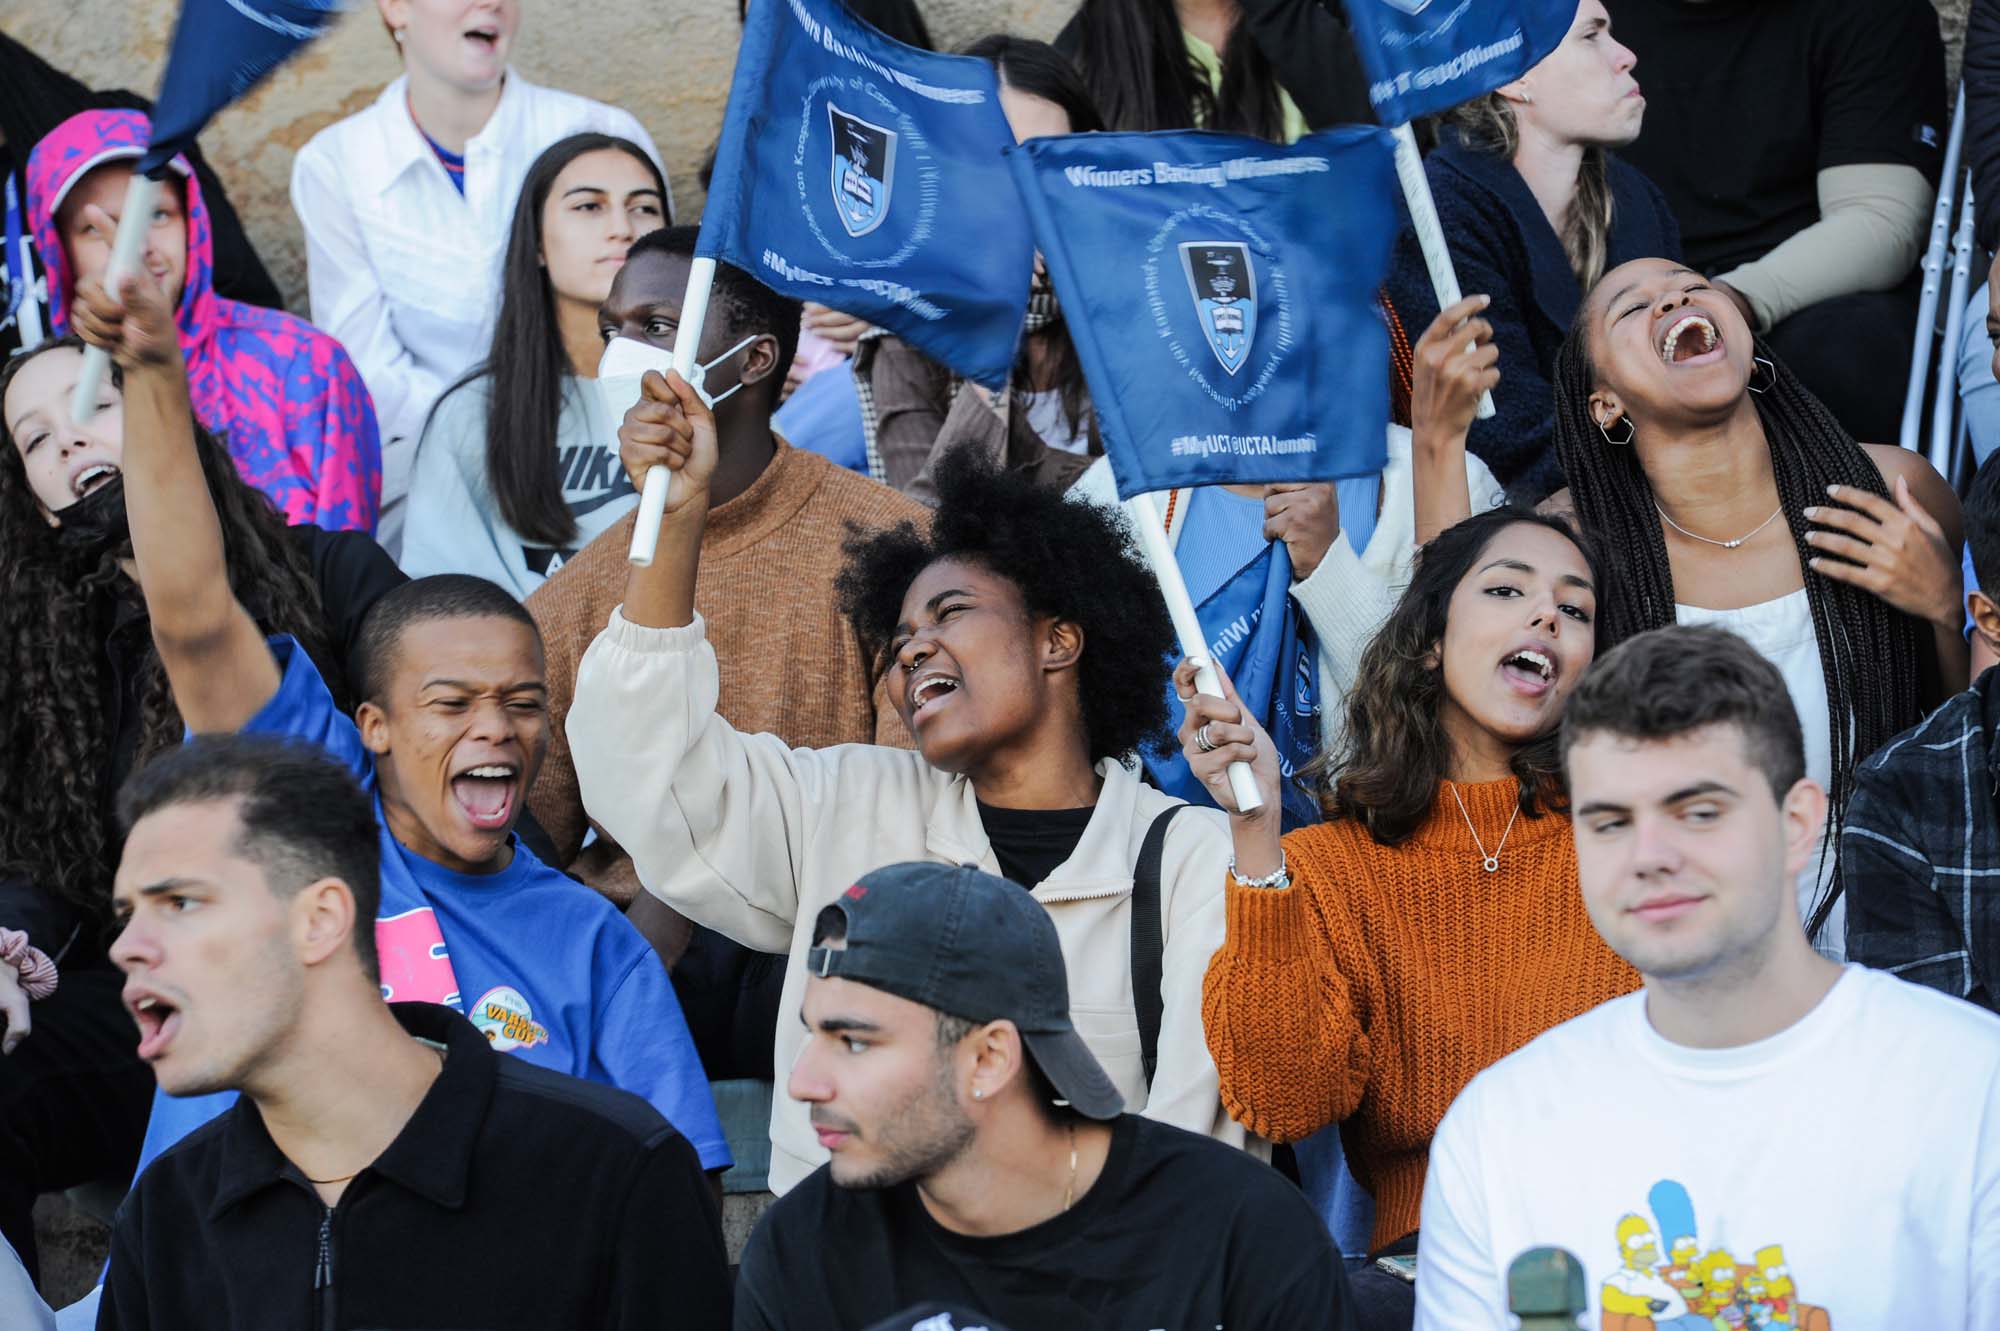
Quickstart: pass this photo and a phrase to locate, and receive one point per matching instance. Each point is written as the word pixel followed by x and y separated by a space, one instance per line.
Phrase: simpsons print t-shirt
pixel 1842 1175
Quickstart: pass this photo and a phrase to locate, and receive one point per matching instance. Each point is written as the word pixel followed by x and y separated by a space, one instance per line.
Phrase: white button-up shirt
pixel 403 269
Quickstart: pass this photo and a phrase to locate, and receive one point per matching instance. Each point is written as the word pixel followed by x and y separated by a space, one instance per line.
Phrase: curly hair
pixel 1872 655
pixel 57 605
pixel 1071 561
pixel 1387 774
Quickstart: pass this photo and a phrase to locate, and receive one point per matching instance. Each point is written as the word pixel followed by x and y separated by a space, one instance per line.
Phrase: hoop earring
pixel 1630 430
pixel 1770 375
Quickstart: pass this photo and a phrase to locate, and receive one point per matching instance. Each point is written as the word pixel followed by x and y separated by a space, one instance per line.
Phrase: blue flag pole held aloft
pixel 1152 530
pixel 1430 232
pixel 866 175
pixel 1427 56
pixel 221 50
pixel 659 481
pixel 1221 295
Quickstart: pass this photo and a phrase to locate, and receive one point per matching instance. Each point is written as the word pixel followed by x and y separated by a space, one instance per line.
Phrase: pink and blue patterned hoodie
pixel 281 393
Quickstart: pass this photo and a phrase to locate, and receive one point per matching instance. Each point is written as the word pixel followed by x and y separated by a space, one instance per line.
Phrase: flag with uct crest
pixel 1427 56
pixel 1221 295
pixel 867 175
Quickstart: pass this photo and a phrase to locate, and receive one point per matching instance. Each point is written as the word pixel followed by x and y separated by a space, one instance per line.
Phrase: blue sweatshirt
pixel 547 968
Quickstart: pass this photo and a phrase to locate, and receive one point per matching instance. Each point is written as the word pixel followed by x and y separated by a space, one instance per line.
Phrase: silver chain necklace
pixel 1492 862
pixel 1710 540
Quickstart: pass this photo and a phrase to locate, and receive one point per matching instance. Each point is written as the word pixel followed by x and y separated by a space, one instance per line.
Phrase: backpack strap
pixel 1148 942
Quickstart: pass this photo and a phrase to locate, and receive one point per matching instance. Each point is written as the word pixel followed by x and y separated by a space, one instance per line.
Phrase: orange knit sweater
pixel 1372 989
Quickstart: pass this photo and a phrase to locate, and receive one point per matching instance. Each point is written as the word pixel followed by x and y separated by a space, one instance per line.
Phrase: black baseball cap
pixel 974 946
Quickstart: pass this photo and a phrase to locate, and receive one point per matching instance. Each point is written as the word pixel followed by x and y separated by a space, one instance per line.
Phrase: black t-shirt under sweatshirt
pixel 1030 844
pixel 1179 1233
pixel 1747 101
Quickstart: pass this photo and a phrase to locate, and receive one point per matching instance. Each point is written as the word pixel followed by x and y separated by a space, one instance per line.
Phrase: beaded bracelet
pixel 1279 877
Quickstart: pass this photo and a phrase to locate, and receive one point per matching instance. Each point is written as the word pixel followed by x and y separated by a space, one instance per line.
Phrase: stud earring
pixel 1630 430
pixel 978 1094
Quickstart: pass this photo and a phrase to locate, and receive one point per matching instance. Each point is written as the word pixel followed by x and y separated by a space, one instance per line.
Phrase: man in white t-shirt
pixel 1760 1138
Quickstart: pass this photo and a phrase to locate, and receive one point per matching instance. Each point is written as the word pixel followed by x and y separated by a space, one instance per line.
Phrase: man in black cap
pixel 981 1156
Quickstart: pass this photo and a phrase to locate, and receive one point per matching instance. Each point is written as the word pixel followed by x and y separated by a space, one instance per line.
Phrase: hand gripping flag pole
pixel 221 50
pixel 133 224
pixel 1430 231
pixel 659 480
pixel 1423 59
pixel 1152 529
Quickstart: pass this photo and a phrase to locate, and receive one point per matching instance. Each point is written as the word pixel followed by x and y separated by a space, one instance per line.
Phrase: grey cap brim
pixel 1075 1072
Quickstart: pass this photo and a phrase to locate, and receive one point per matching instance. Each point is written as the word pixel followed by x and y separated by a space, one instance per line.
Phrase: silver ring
pixel 1201 739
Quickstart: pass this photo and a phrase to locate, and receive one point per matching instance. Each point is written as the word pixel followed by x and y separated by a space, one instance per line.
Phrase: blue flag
pixel 1221 294
pixel 1427 56
pixel 221 50
pixel 867 175
pixel 1262 642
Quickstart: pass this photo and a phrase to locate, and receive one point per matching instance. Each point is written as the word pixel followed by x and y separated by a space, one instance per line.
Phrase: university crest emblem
pixel 1224 286
pixel 864 167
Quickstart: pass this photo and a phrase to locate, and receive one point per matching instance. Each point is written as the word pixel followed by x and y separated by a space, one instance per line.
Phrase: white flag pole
pixel 1145 515
pixel 1430 231
pixel 133 224
pixel 659 480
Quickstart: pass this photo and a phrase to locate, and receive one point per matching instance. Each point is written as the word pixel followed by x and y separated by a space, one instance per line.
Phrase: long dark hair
pixel 1397 753
pixel 1136 63
pixel 1039 70
pixel 528 367
pixel 1869 652
pixel 57 603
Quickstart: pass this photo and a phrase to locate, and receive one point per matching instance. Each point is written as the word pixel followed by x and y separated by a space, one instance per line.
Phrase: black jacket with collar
pixel 514 1198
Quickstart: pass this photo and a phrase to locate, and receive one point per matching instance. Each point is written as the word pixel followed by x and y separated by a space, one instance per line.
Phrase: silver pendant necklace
pixel 1492 862
pixel 1710 540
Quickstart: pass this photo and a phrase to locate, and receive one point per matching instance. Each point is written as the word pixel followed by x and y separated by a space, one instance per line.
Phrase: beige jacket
pixel 751 838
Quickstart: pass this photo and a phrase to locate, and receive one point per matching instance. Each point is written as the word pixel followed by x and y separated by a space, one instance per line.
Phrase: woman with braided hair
pixel 1736 499
pixel 83 701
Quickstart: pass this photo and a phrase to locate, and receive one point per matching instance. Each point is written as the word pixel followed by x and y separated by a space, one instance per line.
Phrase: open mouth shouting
pixel 1529 671
pixel 86 476
pixel 929 689
pixel 488 794
pixel 1690 339
pixel 485 37
pixel 158 1020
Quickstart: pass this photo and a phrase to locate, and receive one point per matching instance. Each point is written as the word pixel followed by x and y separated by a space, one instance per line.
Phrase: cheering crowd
pixel 399 888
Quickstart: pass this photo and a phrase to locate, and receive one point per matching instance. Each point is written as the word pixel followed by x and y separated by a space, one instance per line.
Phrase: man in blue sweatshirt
pixel 454 726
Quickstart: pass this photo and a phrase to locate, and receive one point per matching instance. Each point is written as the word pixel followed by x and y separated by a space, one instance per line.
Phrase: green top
pixel 1295 123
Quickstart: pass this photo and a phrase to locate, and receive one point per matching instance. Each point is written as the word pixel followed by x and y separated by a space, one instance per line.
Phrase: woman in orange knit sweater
pixel 1378 960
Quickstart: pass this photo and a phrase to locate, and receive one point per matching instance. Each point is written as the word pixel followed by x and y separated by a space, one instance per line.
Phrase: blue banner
pixel 1260 639
pixel 1221 294
pixel 221 50
pixel 867 175
pixel 1427 56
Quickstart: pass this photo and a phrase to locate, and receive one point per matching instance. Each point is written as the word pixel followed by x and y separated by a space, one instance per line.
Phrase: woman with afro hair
pixel 1025 647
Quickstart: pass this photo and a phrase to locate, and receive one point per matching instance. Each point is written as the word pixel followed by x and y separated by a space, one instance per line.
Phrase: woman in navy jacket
pixel 1535 210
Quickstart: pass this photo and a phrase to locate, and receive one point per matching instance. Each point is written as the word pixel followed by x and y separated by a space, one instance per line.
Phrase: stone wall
pixel 666 61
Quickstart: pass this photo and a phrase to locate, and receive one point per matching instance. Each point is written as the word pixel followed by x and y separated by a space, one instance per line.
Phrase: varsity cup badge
pixel 864 168
pixel 1224 287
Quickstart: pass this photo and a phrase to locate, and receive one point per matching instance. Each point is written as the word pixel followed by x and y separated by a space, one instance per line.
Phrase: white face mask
pixel 699 378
